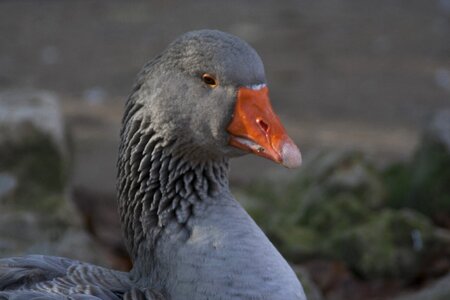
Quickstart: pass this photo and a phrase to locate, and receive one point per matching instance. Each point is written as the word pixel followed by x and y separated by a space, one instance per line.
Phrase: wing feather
pixel 37 277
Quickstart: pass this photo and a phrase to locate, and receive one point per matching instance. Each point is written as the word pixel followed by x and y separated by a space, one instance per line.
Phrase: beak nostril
pixel 264 126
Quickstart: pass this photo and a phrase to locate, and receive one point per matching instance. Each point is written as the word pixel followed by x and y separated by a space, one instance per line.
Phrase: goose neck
pixel 160 185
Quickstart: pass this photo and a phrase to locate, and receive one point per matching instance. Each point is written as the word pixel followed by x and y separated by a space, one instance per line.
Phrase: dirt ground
pixel 343 74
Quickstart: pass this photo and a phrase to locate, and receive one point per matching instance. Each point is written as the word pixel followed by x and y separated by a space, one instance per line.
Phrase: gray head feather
pixel 177 101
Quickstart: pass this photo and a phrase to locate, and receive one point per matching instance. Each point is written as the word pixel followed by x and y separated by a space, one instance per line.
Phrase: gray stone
pixel 439 128
pixel 439 290
pixel 36 214
pixel 423 183
pixel 392 243
pixel 37 108
pixel 7 184
pixel 336 209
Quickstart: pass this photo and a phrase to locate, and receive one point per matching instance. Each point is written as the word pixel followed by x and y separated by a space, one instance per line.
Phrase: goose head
pixel 208 92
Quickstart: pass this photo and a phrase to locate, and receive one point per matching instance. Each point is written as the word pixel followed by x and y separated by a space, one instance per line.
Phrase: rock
pixel 37 215
pixel 333 191
pixel 335 209
pixel 340 189
pixel 8 183
pixel 391 244
pixel 439 128
pixel 39 109
pixel 423 183
pixel 33 148
pixel 439 290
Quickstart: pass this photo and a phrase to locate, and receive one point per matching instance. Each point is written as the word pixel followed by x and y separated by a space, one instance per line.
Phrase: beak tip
pixel 290 155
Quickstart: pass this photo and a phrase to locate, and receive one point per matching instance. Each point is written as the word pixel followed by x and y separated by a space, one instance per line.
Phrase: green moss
pixel 430 188
pixel 397 179
pixel 335 213
pixel 422 183
pixel 391 244
pixel 295 242
pixel 335 208
pixel 39 166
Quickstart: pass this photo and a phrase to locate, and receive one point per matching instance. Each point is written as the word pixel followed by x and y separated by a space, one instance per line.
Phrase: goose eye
pixel 209 80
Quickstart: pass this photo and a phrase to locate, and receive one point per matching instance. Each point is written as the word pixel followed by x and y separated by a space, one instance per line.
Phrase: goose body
pixel 201 102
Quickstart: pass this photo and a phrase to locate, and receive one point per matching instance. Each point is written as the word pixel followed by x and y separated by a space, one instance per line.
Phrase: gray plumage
pixel 187 236
pixel 45 277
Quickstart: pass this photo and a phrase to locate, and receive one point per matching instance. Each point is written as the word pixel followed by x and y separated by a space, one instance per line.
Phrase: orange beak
pixel 256 128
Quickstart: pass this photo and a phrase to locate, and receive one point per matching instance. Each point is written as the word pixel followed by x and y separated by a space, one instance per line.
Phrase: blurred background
pixel 363 87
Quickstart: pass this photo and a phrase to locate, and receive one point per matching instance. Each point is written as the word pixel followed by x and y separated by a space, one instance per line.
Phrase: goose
pixel 201 102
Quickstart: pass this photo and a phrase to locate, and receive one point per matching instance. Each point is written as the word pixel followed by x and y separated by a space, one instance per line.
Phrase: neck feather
pixel 159 183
